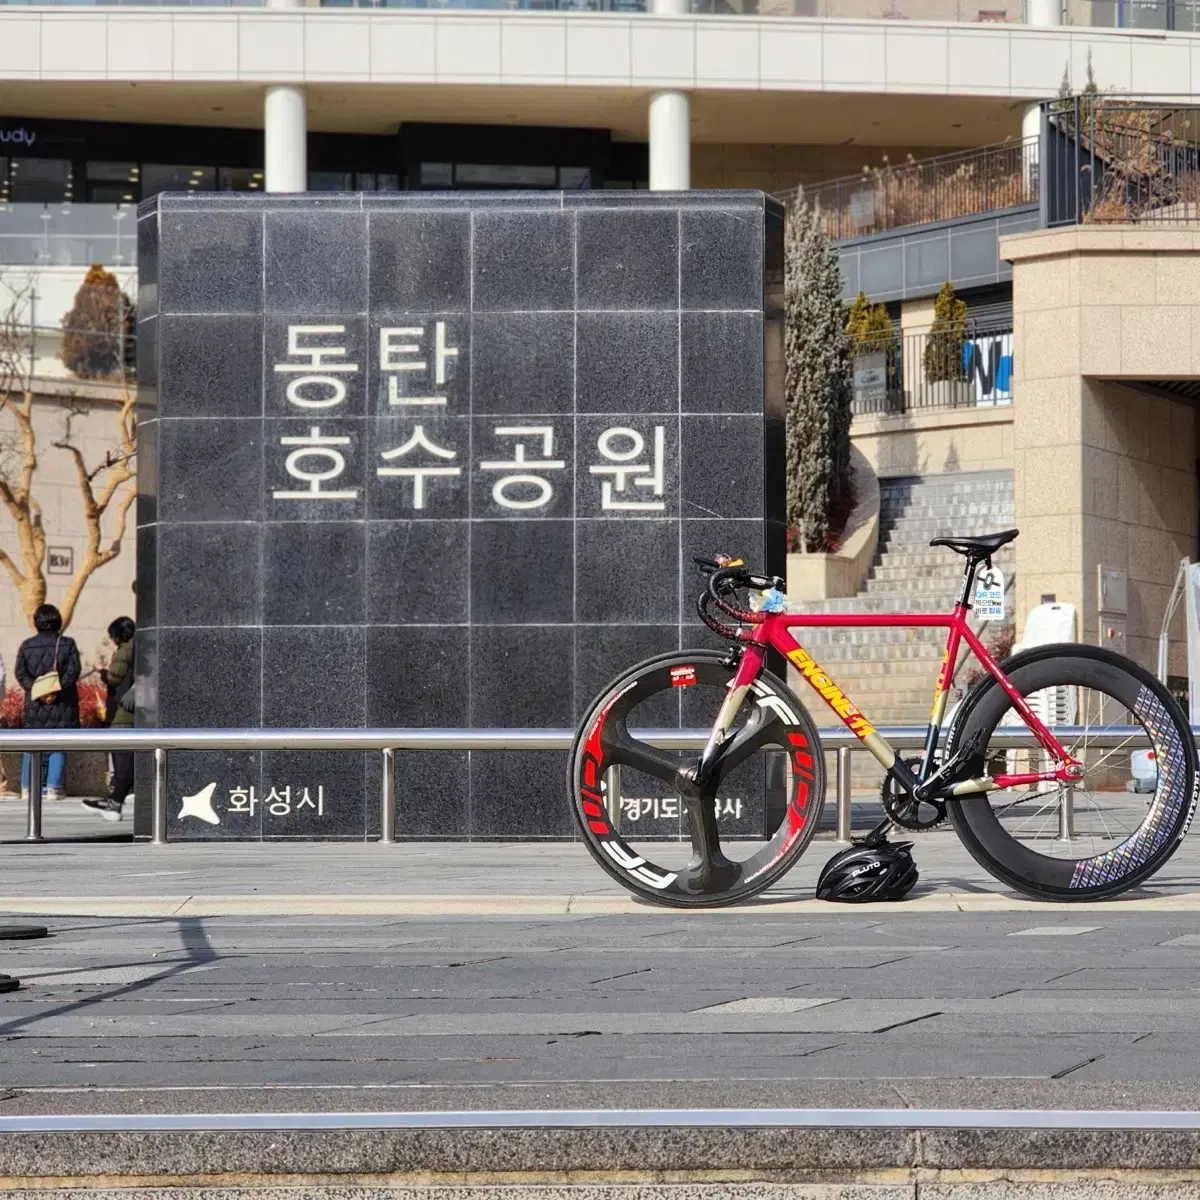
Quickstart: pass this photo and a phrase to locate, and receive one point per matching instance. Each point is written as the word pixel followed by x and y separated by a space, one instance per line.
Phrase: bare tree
pixel 107 488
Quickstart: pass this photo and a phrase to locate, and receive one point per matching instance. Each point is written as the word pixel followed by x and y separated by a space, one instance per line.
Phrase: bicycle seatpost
pixel 969 578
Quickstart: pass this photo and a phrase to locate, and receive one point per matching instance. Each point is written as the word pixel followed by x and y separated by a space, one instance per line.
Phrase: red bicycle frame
pixel 775 631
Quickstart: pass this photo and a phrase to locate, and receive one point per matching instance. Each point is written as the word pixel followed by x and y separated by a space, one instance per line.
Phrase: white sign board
pixel 870 379
pixel 862 209
pixel 988 604
pixel 988 362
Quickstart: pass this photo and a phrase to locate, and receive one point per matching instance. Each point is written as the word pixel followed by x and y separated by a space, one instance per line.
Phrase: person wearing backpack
pixel 118 680
pixel 48 669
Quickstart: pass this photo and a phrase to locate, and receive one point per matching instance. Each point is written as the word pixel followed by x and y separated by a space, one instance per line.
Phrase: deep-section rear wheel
pixel 651 830
pixel 1109 830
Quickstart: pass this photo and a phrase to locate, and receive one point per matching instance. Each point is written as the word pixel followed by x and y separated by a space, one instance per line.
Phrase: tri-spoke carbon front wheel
pixel 641 814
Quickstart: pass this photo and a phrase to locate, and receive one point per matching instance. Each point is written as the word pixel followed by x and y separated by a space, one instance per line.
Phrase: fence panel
pixel 962 184
pixel 1119 161
pixel 965 367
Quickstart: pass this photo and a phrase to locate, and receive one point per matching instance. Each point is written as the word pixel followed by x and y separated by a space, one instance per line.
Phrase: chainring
pixel 905 810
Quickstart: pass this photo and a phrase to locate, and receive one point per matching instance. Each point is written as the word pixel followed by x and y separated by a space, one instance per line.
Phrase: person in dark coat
pixel 118 679
pixel 49 650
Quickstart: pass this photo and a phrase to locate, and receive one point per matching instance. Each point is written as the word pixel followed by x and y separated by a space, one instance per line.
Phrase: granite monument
pixel 437 459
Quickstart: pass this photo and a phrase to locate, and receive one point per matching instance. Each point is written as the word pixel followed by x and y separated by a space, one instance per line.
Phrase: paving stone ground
pixel 144 1005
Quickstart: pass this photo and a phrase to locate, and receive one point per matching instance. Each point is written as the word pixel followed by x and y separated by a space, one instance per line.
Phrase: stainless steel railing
pixel 387 741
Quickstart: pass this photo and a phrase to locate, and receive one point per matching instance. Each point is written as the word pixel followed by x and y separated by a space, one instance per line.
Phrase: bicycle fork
pixel 747 672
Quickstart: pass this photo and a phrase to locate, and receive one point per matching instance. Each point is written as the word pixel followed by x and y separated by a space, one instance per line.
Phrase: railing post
pixel 387 798
pixel 843 781
pixel 159 798
pixel 1043 169
pixel 1066 815
pixel 33 831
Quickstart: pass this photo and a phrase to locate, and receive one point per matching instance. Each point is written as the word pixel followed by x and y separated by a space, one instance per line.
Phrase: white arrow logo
pixel 200 806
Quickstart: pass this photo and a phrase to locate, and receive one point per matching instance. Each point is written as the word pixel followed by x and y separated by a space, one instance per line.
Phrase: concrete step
pixel 931 586
pixel 991 521
pixel 964 509
pixel 890 498
pixel 856 643
pixel 949 480
pixel 940 559
pixel 899 602
pixel 889 568
pixel 929 652
pixel 919 541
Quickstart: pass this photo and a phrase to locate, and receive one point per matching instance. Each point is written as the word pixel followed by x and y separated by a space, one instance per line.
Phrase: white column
pixel 1044 12
pixel 670 143
pixel 1031 122
pixel 285 131
pixel 285 139
pixel 1031 132
pixel 670 124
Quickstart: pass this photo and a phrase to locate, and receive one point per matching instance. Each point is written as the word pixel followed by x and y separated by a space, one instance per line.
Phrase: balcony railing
pixel 1121 161
pixel 68 235
pixel 1181 15
pixel 968 367
pixel 944 188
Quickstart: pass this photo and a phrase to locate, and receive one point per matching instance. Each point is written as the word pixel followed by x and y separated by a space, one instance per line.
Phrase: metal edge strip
pixel 795 1118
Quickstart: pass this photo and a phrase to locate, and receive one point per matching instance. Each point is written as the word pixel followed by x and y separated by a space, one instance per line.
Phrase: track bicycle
pixel 1004 795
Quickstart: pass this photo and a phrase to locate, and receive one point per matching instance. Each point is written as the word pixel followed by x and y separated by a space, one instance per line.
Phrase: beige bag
pixel 46 687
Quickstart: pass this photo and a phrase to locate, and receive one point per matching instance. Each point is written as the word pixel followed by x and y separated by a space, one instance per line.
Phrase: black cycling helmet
pixel 866 873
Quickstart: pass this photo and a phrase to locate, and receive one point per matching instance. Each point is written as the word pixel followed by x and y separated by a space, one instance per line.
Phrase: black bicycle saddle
pixel 978 547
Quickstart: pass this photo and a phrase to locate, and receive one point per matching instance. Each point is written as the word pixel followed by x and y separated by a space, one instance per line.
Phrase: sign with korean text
pixel 429 460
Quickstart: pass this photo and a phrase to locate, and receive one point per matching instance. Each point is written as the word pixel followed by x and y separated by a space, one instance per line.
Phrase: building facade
pixel 102 108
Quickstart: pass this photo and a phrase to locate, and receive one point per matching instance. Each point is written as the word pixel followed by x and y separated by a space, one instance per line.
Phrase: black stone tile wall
pixel 438 460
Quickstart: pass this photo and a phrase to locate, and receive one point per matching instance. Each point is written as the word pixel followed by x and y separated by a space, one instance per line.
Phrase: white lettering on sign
pixel 398 350
pixel 659 808
pixel 619 447
pixel 320 448
pixel 17 137
pixel 527 461
pixel 988 604
pixel 318 366
pixel 244 801
pixel 526 473
pixel 419 441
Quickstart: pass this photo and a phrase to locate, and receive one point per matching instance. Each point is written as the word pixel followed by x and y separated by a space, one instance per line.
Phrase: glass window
pixel 437 175
pixel 498 175
pixel 39 180
pixel 330 181
pixel 113 172
pixel 239 179
pixel 168 177
pixel 371 182
pixel 574 178
pixel 112 193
